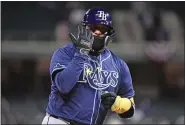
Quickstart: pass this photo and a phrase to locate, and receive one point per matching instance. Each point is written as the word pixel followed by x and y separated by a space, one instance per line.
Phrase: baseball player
pixel 87 78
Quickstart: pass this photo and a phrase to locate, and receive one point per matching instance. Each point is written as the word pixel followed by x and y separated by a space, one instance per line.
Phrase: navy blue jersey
pixel 78 81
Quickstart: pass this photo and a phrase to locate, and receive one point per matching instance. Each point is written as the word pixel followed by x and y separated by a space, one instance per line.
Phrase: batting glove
pixel 84 40
pixel 108 99
pixel 117 104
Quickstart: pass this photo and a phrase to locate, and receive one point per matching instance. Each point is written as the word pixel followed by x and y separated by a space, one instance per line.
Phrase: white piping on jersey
pixel 104 59
pixel 93 60
pixel 115 66
pixel 93 106
pixel 57 69
pixel 62 67
pixel 83 81
pixel 100 64
pixel 98 111
pixel 101 61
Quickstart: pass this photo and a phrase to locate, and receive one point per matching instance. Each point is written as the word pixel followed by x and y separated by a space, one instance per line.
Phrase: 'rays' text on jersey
pixel 98 78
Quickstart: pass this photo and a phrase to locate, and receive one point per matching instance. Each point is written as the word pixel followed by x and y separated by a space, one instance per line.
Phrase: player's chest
pixel 101 75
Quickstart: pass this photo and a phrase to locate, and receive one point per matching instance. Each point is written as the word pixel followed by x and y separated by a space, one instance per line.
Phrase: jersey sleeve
pixel 65 69
pixel 126 87
pixel 59 61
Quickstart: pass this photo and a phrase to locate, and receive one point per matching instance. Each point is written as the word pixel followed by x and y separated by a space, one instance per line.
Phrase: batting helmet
pixel 99 16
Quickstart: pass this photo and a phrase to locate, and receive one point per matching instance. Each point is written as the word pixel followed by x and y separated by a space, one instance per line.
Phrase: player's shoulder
pixel 117 59
pixel 68 49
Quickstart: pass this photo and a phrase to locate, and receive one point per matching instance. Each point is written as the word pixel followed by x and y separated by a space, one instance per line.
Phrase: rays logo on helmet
pixel 102 15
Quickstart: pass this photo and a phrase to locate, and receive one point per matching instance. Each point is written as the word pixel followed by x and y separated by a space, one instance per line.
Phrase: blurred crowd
pixel 159 81
pixel 133 21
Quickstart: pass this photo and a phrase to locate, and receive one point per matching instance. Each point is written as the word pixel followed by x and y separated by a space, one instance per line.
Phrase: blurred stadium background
pixel 149 37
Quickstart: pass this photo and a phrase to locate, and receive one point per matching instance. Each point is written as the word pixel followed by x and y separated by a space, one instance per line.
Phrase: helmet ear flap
pixel 112 32
pixel 108 39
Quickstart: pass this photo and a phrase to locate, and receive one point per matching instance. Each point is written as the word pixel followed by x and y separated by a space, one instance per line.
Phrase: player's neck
pixel 94 53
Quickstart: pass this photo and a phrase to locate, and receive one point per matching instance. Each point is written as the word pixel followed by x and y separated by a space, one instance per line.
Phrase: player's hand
pixel 108 99
pixel 121 105
pixel 84 40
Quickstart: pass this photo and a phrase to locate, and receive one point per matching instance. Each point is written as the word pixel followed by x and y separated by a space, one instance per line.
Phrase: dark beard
pixel 98 44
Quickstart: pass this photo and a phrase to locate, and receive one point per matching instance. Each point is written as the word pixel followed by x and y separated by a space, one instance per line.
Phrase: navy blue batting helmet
pixel 99 16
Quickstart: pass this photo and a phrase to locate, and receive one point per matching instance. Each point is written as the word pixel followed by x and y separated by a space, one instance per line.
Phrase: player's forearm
pixel 66 79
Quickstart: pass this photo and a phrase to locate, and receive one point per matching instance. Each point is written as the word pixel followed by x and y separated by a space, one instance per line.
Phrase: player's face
pixel 98 29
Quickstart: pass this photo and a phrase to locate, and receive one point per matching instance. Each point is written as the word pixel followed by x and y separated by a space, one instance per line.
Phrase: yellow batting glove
pixel 122 105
